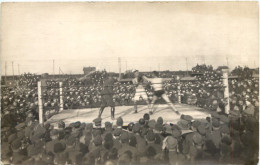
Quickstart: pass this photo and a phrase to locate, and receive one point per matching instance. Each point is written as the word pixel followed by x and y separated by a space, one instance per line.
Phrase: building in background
pixel 87 70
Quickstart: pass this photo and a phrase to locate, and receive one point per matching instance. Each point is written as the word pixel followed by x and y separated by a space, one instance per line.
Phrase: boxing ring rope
pixel 61 93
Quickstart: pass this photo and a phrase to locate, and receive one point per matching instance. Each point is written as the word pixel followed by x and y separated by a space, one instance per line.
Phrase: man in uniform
pixel 107 97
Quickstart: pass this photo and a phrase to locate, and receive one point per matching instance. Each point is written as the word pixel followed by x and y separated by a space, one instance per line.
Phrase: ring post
pixel 179 89
pixel 40 102
pixel 61 97
pixel 226 91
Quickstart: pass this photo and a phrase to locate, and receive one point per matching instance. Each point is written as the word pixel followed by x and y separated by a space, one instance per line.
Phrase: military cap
pixel 183 124
pixel 186 117
pixel 215 123
pixel 137 128
pixel 171 142
pixel 202 130
pixel 54 132
pixel 117 132
pixel 61 124
pixel 158 127
pixel 196 124
pixel 130 126
pixel 151 123
pixel 108 125
pixel 77 124
pixel 97 140
pixel 58 147
pixel 12 138
pixel 150 136
pixel 16 144
pixel 197 139
pixel 97 122
pixel 146 117
pixel 160 120
pixel 119 121
pixel 141 121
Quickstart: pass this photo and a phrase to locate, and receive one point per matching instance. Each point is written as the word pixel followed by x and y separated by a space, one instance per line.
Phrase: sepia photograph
pixel 130 83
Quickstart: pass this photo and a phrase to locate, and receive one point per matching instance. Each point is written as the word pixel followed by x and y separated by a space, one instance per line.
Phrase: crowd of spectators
pixel 221 137
pixel 217 139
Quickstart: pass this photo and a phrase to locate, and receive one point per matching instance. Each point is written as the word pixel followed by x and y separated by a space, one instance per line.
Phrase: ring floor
pixel 128 115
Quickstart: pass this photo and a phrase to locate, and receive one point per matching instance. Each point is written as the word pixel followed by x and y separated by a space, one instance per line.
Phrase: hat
pixel 117 132
pixel 158 127
pixel 183 124
pixel 141 121
pixel 171 142
pixel 196 124
pixel 215 123
pixel 146 117
pixel 152 124
pixel 119 121
pixel 186 117
pixel 197 139
pixel 137 128
pixel 97 141
pixel 130 126
pixel 160 120
pixel 97 122
pixel 150 136
pixel 108 125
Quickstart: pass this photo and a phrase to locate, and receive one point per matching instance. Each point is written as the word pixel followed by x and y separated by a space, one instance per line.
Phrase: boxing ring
pixel 87 115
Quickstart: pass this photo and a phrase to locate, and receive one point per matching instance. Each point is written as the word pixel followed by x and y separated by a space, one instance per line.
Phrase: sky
pixel 145 35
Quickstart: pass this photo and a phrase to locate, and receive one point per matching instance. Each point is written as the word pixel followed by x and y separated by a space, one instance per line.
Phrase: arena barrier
pixel 60 105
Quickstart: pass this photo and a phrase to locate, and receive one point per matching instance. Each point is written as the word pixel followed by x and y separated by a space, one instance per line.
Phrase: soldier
pixel 107 97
